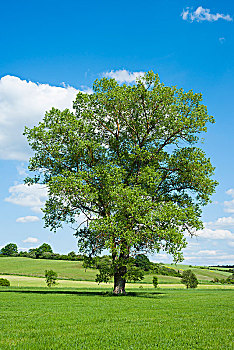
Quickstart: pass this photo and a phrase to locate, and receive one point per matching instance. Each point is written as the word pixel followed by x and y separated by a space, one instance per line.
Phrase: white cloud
pixel 22 170
pixel 201 14
pixel 207 252
pixel 231 244
pixel 215 234
pixel 33 196
pixel 24 103
pixel 230 192
pixel 123 76
pixel 25 219
pixel 221 222
pixel 229 206
pixel 31 240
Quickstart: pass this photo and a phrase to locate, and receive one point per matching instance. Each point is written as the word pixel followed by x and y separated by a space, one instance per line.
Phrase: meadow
pixel 40 318
pixel 80 314
pixel 73 270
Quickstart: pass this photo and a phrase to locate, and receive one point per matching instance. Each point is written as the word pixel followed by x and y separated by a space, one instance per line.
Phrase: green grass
pixel 91 319
pixel 37 267
pixel 73 270
pixel 202 274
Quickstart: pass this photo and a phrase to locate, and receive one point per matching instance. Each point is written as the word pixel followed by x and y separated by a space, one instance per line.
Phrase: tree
pixel 40 251
pixel 44 248
pixel 4 282
pixel 126 158
pixel 143 262
pixel 51 277
pixel 10 250
pixel 189 279
pixel 155 281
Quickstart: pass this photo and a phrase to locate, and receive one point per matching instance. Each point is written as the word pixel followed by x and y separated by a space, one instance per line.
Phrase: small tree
pixel 155 281
pixel 51 277
pixel 4 282
pixel 10 250
pixel 189 279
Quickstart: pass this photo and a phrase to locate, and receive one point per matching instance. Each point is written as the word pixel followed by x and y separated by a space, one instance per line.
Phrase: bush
pixel 51 277
pixel 4 282
pixel 189 279
pixel 155 281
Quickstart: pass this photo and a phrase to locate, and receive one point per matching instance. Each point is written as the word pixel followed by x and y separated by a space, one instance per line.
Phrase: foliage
pixel 155 281
pixel 161 269
pixel 51 277
pixel 4 282
pixel 143 262
pixel 39 252
pixel 189 279
pixel 10 250
pixel 126 158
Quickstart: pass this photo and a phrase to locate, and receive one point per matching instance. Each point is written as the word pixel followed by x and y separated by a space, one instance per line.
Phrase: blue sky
pixel 51 49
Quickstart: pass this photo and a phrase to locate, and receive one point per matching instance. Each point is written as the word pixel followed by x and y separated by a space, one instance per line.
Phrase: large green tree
pixel 126 158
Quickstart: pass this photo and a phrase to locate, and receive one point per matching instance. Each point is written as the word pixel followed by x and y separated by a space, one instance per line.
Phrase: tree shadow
pixel 101 293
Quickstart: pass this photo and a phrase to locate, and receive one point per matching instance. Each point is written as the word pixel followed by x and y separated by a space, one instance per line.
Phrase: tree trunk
pixel 119 284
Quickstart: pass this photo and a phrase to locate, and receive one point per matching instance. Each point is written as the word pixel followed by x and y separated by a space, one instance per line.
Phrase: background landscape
pixel 50 52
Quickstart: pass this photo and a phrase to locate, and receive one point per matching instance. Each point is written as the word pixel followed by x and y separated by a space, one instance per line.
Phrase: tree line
pixel 44 251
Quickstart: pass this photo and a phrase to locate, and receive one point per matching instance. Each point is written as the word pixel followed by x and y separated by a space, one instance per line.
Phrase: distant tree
pixel 155 281
pixel 189 279
pixel 230 279
pixel 143 262
pixel 10 250
pixel 46 255
pixel 4 282
pixel 45 248
pixel 51 277
pixel 72 254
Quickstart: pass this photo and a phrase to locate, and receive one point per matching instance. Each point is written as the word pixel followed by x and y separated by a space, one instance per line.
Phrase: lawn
pixel 39 318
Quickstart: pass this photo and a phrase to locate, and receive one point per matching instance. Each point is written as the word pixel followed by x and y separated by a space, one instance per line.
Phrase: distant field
pixel 73 270
pixel 67 319
pixel 39 282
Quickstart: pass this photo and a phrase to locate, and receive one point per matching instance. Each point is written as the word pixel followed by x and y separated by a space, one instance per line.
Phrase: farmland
pixel 80 314
pixel 73 270
pixel 93 319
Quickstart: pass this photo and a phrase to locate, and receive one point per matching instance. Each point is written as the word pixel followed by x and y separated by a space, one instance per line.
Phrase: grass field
pixel 73 270
pixel 39 318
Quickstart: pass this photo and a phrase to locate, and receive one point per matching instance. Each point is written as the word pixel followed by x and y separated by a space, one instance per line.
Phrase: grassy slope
pixel 74 270
pixel 165 319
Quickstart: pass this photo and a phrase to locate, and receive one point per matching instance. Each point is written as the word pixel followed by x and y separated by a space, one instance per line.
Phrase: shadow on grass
pixel 140 294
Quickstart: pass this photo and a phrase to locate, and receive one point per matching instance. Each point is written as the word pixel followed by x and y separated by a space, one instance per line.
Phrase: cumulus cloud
pixel 229 205
pixel 201 14
pixel 207 252
pixel 215 234
pixel 23 103
pixel 230 192
pixel 221 222
pixel 25 219
pixel 33 196
pixel 123 76
pixel 31 240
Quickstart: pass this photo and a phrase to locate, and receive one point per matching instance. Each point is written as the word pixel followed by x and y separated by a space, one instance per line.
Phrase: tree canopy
pixel 126 158
pixel 10 249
